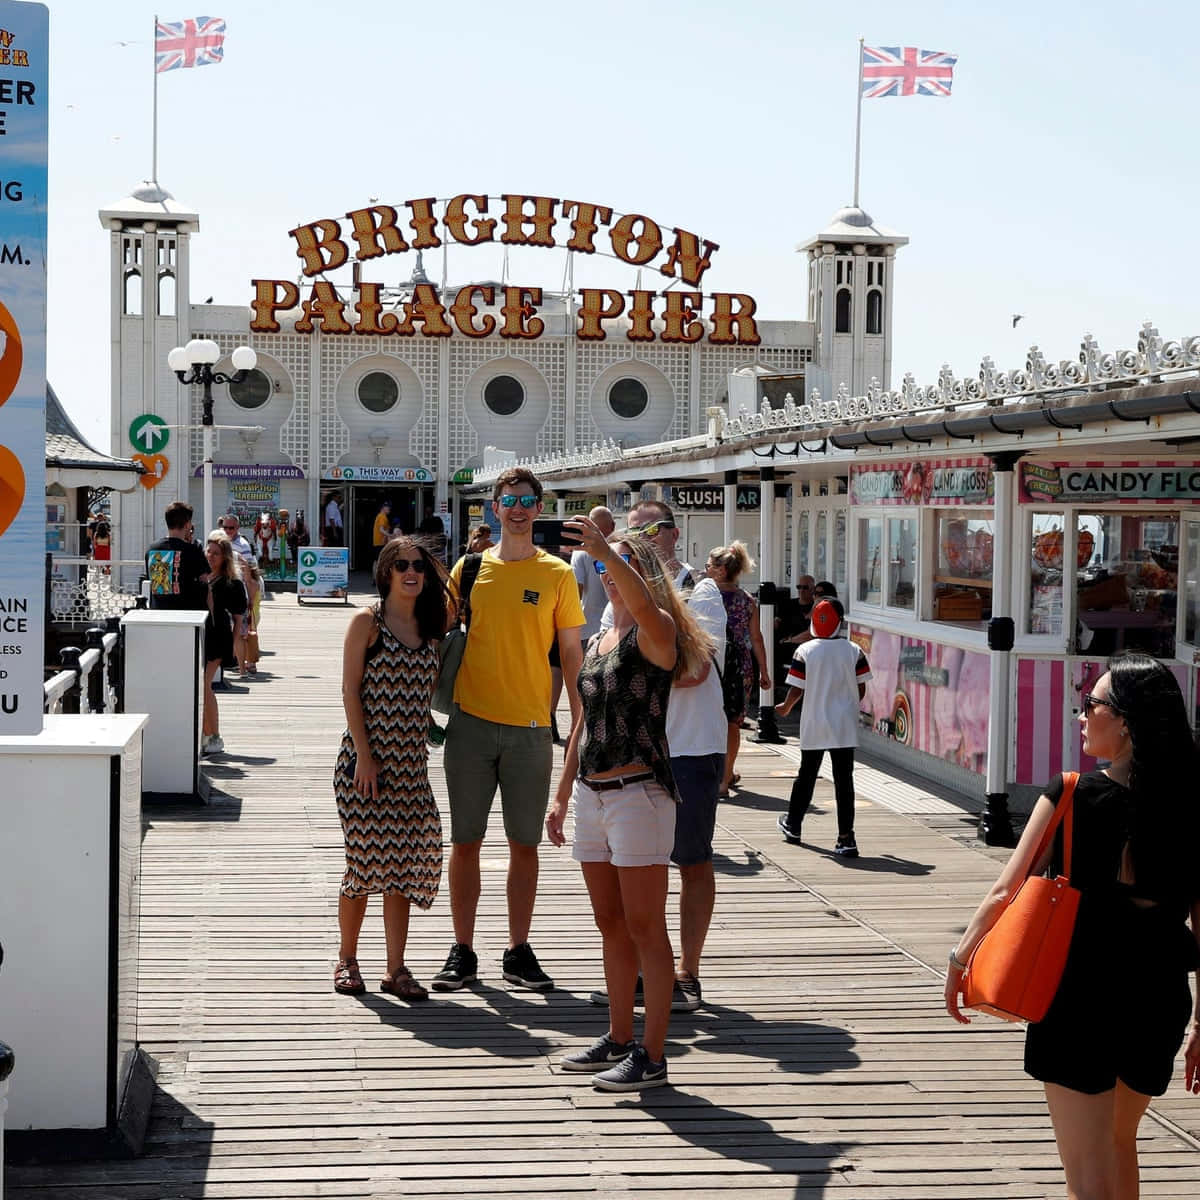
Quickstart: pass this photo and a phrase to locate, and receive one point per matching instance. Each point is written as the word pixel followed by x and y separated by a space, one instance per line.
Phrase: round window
pixel 503 395
pixel 628 398
pixel 378 392
pixel 253 392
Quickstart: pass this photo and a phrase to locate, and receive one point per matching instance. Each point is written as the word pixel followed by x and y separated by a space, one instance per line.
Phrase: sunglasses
pixel 601 569
pixel 511 501
pixel 1090 702
pixel 403 564
pixel 651 530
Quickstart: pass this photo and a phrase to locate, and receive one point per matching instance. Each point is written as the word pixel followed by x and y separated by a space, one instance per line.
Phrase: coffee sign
pixel 572 225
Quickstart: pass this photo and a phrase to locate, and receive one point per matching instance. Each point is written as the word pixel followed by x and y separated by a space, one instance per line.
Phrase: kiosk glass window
pixel 821 548
pixel 962 566
pixel 839 549
pixel 1046 552
pixel 802 560
pixel 1126 583
pixel 902 562
pixel 870 560
pixel 1191 585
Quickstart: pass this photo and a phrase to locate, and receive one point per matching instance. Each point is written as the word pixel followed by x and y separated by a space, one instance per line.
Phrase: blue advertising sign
pixel 24 48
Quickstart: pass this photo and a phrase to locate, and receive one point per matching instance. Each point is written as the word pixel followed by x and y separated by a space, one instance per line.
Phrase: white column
pixel 727 531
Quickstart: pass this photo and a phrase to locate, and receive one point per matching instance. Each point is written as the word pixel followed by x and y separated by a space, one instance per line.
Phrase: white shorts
pixel 633 826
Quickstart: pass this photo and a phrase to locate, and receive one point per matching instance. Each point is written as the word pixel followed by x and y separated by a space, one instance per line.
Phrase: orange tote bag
pixel 1015 970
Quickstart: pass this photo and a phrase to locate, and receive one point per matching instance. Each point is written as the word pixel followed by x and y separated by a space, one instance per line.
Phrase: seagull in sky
pixel 1017 317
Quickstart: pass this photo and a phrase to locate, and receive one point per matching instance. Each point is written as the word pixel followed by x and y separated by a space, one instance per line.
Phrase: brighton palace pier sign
pixel 325 245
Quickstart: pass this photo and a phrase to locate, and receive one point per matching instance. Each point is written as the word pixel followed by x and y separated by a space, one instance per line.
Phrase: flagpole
pixel 858 122
pixel 154 139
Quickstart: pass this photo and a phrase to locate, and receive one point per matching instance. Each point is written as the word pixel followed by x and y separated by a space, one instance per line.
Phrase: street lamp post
pixel 194 363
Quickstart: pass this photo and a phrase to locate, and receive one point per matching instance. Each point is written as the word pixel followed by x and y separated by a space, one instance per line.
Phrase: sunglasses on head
pixel 511 501
pixel 601 569
pixel 1090 702
pixel 403 564
pixel 651 530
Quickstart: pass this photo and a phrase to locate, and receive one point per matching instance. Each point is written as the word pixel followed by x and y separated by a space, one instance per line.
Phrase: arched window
pixel 841 305
pixel 503 395
pixel 166 295
pixel 133 293
pixel 874 311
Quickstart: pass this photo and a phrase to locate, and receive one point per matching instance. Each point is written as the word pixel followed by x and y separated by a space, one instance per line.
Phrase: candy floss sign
pixel 959 481
pixel 24 37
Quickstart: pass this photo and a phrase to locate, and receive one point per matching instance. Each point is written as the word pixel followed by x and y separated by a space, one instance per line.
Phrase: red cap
pixel 824 620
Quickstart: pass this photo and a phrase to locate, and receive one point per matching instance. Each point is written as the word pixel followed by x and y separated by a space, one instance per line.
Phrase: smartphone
pixel 548 533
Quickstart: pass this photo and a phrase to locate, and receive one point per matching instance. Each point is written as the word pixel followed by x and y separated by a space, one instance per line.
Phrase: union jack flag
pixel 906 71
pixel 196 42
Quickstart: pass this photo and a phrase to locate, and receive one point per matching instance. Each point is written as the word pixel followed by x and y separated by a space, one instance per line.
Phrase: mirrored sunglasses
pixel 601 569
pixel 403 564
pixel 511 501
pixel 651 530
pixel 1090 702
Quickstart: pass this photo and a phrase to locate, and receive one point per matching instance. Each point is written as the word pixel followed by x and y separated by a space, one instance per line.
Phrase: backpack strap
pixel 470 572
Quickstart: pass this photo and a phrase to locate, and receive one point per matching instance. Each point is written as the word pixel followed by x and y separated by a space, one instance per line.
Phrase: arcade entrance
pixel 362 507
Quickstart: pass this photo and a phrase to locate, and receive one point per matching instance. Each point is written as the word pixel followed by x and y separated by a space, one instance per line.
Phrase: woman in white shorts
pixel 618 771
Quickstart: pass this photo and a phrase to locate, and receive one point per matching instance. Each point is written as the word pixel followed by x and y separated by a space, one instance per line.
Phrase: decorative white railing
pixel 82 589
pixel 88 681
pixel 1153 360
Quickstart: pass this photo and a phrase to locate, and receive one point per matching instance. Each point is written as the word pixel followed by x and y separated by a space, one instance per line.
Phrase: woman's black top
pixel 624 698
pixel 228 601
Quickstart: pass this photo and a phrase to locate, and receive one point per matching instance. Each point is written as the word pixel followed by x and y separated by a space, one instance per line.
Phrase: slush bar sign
pixel 24 39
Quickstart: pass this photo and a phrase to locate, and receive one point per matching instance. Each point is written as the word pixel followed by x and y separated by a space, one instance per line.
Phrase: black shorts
pixel 1121 1012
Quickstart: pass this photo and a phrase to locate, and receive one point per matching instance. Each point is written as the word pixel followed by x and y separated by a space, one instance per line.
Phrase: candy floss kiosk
pixel 1106 557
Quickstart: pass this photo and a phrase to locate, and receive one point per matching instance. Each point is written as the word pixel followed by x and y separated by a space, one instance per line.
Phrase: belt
pixel 619 781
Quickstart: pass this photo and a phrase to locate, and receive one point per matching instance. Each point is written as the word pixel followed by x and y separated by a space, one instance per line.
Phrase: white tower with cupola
pixel 148 255
pixel 851 267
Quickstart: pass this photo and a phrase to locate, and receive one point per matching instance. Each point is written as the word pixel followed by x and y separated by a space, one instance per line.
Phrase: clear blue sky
pixel 1056 182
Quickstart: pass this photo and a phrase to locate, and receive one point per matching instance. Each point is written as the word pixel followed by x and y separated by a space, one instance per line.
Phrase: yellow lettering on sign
pixel 369 307
pixel 367 231
pixel 648 240
pixel 462 310
pixel 725 321
pixel 516 218
pixel 680 321
pixel 593 311
pixel 324 306
pixel 589 218
pixel 685 254
pixel 456 220
pixel 518 310
pixel 270 295
pixel 319 247
pixel 423 225
pixel 426 308
pixel 640 316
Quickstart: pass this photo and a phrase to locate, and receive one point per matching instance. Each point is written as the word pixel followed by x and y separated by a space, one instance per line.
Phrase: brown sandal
pixel 347 979
pixel 401 983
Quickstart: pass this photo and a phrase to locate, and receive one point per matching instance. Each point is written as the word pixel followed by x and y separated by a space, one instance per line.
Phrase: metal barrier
pixel 90 681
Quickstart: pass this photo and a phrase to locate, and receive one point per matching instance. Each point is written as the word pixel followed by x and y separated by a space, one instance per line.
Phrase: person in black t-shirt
pixel 175 564
pixel 1109 1040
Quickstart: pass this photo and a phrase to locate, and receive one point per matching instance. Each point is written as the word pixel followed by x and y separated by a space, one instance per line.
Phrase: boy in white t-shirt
pixel 829 677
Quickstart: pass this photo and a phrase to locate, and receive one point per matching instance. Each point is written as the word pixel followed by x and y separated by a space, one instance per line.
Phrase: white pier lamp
pixel 193 363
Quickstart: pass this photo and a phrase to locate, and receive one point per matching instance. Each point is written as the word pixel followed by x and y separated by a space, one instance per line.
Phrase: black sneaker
pixel 600 996
pixel 686 995
pixel 599 1056
pixel 520 966
pixel 634 1073
pixel 846 846
pixel 790 835
pixel 460 968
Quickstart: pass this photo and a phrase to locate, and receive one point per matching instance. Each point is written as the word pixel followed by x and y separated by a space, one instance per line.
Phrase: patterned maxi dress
pixel 393 843
pixel 739 671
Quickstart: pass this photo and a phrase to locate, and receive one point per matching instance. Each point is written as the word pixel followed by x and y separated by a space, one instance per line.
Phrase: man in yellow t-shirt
pixel 499 733
pixel 383 527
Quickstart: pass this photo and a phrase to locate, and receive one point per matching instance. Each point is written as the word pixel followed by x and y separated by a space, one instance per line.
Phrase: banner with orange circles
pixel 24 37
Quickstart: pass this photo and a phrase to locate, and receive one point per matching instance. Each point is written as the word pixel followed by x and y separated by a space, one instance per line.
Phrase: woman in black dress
pixel 1109 1041
pixel 226 602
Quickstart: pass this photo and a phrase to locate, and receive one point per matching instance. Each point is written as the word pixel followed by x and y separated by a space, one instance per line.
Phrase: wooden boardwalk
pixel 822 1065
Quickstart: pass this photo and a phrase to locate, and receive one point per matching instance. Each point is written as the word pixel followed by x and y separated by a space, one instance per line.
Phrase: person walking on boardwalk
pixel 1107 1045
pixel 618 773
pixel 498 735
pixel 745 659
pixel 829 677
pixel 390 820
pixel 227 603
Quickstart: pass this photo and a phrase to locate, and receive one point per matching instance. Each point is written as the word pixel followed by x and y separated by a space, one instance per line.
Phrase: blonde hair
pixel 693 647
pixel 230 568
pixel 734 559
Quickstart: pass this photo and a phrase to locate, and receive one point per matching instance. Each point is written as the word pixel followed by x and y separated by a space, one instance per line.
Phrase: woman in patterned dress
pixel 745 652
pixel 389 817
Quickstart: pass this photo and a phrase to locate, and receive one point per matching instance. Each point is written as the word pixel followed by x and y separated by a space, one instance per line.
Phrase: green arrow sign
pixel 308 578
pixel 149 433
pixel 308 559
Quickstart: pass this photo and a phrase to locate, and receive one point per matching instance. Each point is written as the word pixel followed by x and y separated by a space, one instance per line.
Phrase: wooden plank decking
pixel 822 1065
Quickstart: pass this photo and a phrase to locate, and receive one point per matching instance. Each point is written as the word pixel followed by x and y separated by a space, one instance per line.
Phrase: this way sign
pixel 149 433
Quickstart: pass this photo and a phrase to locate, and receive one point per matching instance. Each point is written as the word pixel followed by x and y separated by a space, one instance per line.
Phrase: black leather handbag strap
pixel 470 572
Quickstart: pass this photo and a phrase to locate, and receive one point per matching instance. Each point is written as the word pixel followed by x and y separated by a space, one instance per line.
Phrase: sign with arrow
pixel 149 433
